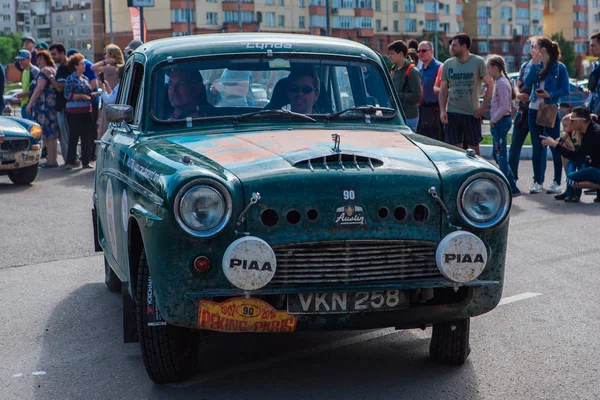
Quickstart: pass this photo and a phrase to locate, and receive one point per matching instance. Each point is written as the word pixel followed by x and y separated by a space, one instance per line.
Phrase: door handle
pixel 103 143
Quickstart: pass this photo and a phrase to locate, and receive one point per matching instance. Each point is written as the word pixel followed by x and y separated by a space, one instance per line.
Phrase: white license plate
pixel 352 302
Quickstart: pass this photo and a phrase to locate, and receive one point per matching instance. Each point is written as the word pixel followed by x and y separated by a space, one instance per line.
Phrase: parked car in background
pixel 9 97
pixel 252 219
pixel 20 149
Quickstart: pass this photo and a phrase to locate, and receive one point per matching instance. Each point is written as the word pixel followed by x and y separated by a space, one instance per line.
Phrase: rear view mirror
pixel 119 113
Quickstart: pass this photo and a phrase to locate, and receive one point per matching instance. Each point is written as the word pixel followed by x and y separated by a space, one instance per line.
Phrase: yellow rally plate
pixel 244 315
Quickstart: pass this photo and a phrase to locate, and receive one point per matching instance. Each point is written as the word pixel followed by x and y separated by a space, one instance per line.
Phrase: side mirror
pixel 119 113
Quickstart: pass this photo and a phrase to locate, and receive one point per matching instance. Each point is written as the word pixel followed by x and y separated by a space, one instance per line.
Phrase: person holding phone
pixel 549 80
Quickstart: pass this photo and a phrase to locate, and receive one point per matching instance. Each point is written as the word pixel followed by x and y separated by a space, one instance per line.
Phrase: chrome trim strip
pixel 134 185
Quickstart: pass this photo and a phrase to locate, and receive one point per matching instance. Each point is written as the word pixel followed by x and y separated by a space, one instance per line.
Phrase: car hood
pixel 11 128
pixel 249 155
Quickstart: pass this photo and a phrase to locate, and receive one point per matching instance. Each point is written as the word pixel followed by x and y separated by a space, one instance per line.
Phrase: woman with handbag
pixel 549 80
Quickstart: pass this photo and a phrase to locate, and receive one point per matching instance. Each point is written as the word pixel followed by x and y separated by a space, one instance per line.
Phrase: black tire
pixel 450 342
pixel 110 278
pixel 24 176
pixel 170 352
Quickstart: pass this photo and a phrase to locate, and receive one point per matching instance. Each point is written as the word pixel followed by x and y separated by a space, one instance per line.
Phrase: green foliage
pixel 567 52
pixel 10 44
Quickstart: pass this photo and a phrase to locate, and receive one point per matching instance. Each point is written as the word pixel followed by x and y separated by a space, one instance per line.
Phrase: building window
pixel 179 15
pixel 522 13
pixel 363 22
pixel 395 6
pixel 396 26
pixel 301 3
pixel 83 16
pixel 269 2
pixel 483 12
pixel 379 44
pixel 211 18
pixel 377 5
pixel 281 3
pixel 483 29
pixel 281 21
pixel 317 21
pixel 301 21
pixel 232 16
pixel 506 12
pixel 378 25
pixel 340 22
pixel 270 19
pixel 580 48
pixel 459 10
pixel 410 6
pixel 445 27
pixel 366 42
pixel 482 47
pixel 505 47
pixel 431 25
pixel 347 4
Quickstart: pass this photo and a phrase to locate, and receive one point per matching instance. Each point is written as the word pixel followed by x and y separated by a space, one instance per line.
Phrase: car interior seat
pixel 279 97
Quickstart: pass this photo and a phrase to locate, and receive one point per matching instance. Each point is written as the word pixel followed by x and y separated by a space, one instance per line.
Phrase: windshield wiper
pixel 362 109
pixel 289 113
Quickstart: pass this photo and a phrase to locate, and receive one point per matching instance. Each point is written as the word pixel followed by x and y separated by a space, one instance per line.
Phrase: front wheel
pixel 23 176
pixel 170 352
pixel 450 342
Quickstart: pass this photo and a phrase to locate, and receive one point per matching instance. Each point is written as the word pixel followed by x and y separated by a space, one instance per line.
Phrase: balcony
pixel 233 6
pixel 365 33
pixel 363 12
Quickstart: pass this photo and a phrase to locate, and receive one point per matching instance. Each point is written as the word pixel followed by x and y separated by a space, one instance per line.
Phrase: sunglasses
pixel 304 89
pixel 423 50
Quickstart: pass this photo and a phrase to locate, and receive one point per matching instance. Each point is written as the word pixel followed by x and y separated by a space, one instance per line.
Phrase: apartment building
pixel 33 18
pixel 375 23
pixel 79 25
pixel 577 20
pixel 503 27
pixel 8 16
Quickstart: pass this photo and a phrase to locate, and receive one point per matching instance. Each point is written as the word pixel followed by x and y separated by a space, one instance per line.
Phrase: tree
pixel 567 52
pixel 10 44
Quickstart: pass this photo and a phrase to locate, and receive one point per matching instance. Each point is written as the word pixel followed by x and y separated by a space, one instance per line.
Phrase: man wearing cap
pixel 134 44
pixel 30 72
pixel 29 44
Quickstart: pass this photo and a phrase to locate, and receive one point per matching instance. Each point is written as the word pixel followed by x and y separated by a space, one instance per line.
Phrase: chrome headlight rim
pixel 502 212
pixel 212 184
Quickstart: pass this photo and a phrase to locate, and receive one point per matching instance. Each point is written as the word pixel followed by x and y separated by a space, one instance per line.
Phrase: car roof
pixel 159 50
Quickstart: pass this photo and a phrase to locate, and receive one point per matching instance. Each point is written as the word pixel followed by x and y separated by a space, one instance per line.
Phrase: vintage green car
pixel 20 149
pixel 320 210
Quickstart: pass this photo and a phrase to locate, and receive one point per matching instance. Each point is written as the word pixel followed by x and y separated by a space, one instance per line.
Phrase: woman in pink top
pixel 500 116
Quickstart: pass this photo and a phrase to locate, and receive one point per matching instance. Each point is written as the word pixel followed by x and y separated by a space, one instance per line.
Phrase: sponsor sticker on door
pixel 242 314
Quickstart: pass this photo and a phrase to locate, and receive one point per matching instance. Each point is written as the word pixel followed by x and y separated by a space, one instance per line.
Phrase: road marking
pixel 518 297
pixel 318 349
pixel 287 357
pixel 20 374
pixel 38 373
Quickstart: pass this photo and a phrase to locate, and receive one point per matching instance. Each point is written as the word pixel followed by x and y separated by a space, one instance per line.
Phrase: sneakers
pixel 554 188
pixel 561 196
pixel 69 167
pixel 516 193
pixel 87 166
pixel 536 188
pixel 572 199
pixel 49 165
pixel 77 164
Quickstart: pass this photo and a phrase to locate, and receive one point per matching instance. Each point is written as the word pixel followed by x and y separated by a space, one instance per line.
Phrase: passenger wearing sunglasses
pixel 303 91
pixel 586 178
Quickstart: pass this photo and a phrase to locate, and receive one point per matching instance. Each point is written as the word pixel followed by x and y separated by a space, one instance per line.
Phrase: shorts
pixel 462 128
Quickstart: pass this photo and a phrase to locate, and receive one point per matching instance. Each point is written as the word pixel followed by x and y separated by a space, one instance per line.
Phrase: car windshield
pixel 227 88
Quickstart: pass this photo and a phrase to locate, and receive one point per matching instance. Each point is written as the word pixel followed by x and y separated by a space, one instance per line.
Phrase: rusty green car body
pixel 350 220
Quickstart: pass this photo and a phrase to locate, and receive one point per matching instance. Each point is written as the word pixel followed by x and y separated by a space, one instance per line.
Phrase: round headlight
pixel 203 209
pixel 484 200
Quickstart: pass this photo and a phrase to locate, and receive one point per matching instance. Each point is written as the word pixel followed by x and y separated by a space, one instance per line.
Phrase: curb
pixel 486 152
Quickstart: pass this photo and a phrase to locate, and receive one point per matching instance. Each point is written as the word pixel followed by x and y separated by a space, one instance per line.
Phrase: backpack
pixel 411 66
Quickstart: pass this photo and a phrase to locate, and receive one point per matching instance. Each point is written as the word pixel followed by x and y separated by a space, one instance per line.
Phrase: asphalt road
pixel 61 332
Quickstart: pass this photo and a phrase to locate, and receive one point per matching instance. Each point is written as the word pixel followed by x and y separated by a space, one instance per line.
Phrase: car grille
pixel 340 162
pixel 354 261
pixel 14 144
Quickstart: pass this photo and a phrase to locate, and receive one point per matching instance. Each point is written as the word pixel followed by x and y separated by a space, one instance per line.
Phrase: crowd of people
pixel 442 101
pixel 62 92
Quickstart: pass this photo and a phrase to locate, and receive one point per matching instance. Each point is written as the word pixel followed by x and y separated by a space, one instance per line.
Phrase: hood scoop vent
pixel 339 162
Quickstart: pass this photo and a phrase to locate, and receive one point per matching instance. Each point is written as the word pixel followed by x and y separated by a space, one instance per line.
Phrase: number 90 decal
pixel 348 194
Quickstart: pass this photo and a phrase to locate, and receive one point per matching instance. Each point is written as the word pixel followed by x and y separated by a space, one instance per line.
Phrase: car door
pixel 114 181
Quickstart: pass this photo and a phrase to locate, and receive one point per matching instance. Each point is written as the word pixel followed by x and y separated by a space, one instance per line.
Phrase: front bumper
pixel 10 160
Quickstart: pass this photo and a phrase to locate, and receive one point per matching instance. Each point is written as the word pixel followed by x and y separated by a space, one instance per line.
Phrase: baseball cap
pixel 134 44
pixel 70 52
pixel 30 38
pixel 41 45
pixel 23 54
